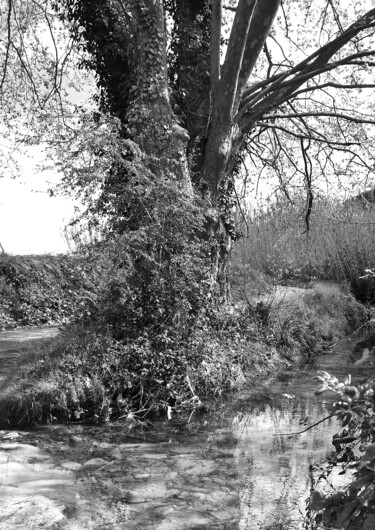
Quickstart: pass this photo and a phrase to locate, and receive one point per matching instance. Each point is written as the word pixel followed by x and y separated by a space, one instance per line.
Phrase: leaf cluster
pixel 43 290
pixel 352 507
pixel 104 39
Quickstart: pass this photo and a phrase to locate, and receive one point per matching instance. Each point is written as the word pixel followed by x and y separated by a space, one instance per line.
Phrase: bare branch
pixel 313 65
pixel 336 16
pixel 308 173
pixel 269 59
pixel 307 136
pixel 278 88
pixel 5 67
pixel 305 430
pixel 356 86
pixel 317 114
pixel 54 87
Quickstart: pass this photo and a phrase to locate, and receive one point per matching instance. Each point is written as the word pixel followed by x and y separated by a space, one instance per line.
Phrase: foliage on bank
pixel 93 376
pixel 43 290
pixel 352 507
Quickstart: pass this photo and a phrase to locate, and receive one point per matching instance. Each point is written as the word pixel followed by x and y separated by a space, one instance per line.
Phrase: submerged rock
pixel 96 462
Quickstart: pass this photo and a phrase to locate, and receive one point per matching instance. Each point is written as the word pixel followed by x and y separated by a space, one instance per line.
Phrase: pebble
pixel 73 466
pixel 116 453
pixel 95 462
pixel 75 439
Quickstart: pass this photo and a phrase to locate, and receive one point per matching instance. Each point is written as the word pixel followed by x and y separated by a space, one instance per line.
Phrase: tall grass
pixel 339 246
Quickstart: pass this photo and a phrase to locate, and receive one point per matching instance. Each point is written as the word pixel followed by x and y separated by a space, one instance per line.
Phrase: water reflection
pixel 274 469
pixel 237 467
pixel 275 473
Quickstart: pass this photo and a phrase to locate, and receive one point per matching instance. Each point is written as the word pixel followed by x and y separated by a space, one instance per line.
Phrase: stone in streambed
pixel 30 512
pixel 75 440
pixel 95 462
pixel 116 454
pixel 72 466
pixel 23 452
pixel 11 436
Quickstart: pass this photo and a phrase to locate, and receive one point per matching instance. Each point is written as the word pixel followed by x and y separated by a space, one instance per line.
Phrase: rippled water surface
pixel 236 467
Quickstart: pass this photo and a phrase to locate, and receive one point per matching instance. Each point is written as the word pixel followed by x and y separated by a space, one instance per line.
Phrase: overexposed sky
pixel 32 222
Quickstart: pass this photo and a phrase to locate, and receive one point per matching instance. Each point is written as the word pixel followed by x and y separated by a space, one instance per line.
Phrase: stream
pixel 233 468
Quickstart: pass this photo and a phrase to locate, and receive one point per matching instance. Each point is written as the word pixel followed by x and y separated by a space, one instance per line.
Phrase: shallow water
pixel 233 468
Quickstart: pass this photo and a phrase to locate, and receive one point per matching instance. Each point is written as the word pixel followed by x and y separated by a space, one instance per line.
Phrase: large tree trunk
pixel 252 23
pixel 150 116
pixel 192 65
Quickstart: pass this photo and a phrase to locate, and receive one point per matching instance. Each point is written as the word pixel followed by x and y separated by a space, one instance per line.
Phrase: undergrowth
pixel 151 335
pixel 91 376
pixel 44 290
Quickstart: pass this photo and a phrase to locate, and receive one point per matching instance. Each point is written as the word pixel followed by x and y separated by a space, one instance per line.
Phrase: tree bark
pixel 252 23
pixel 150 116
pixel 192 68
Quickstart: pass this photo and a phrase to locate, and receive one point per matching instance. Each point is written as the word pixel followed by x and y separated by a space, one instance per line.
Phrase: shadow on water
pixel 237 467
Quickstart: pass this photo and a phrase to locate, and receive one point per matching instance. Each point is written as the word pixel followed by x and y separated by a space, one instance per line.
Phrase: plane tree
pixel 204 87
pixel 190 94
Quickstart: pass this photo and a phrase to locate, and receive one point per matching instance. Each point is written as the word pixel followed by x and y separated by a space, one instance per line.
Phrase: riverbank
pixel 78 377
pixel 232 468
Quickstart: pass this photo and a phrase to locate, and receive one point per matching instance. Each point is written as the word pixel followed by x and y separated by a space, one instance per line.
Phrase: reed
pixel 339 245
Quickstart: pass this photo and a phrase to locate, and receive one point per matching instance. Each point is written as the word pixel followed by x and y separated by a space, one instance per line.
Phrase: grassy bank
pixel 89 376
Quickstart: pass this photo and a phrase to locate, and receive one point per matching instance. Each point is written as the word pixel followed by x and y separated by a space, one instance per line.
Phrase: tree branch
pixel 231 68
pixel 317 63
pixel 261 22
pixel 280 95
pixel 305 430
pixel 307 137
pixel 54 87
pixel 317 114
pixel 334 85
pixel 308 178
pixel 8 44
pixel 215 44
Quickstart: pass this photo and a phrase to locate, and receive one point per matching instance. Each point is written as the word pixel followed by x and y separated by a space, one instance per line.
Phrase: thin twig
pixel 305 430
pixel 8 44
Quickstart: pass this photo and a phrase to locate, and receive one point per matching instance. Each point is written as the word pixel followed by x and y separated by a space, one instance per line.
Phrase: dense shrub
pixel 135 334
pixel 43 290
pixel 92 376
pixel 351 506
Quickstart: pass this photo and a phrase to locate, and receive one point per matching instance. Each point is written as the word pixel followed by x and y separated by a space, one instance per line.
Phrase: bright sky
pixel 31 222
